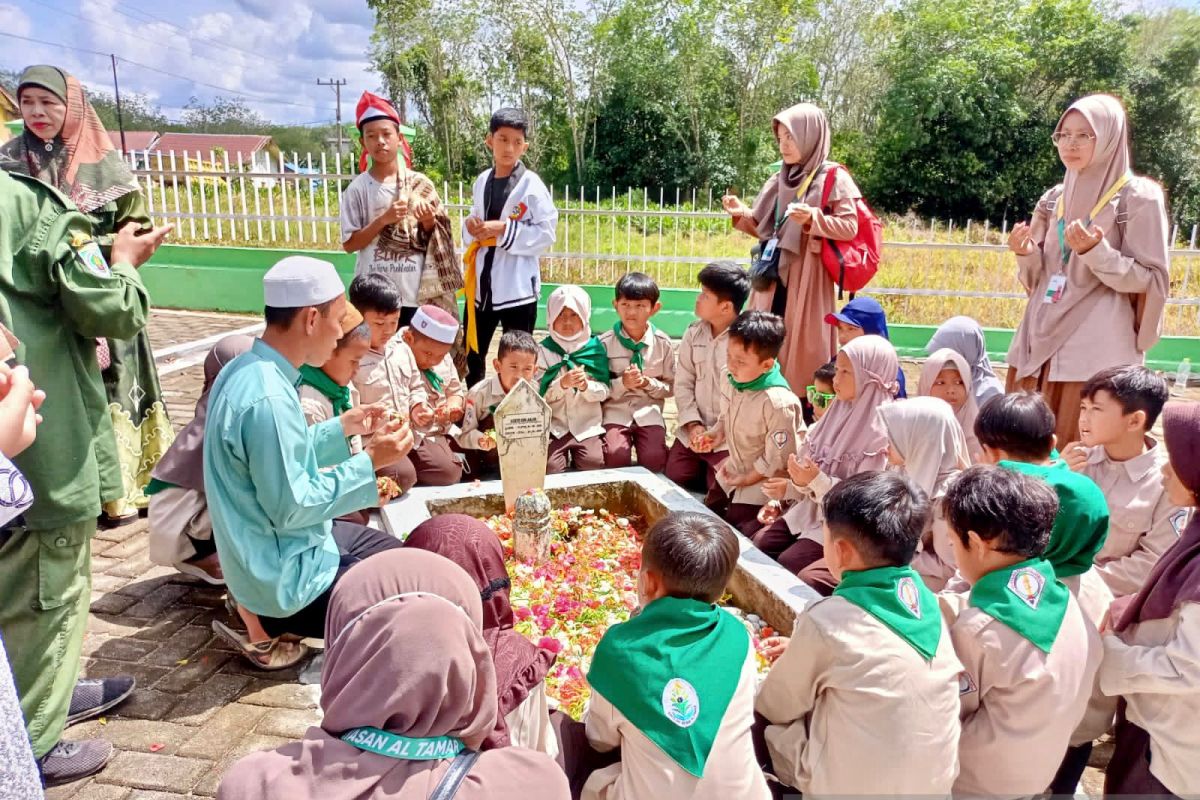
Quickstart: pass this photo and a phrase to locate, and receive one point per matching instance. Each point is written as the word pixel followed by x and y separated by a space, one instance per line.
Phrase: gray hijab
pixel 964 336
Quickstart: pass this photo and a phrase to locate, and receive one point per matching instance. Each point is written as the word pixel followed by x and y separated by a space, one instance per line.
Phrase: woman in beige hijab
pixel 1094 262
pixel 409 695
pixel 789 209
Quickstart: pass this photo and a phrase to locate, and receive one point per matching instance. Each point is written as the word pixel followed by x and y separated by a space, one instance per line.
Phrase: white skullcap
pixel 436 323
pixel 299 281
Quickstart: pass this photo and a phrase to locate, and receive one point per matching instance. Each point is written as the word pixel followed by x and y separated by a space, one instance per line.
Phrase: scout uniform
pixel 57 295
pixel 763 424
pixel 390 377
pixel 1143 523
pixel 478 419
pixel 321 399
pixel 699 386
pixel 1030 659
pixel 633 418
pixel 682 720
pixel 434 460
pixel 865 698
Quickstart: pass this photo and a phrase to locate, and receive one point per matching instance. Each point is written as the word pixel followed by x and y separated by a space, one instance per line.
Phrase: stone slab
pixel 153 771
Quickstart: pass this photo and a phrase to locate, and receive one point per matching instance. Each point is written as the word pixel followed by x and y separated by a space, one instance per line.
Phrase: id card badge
pixel 1055 289
pixel 768 251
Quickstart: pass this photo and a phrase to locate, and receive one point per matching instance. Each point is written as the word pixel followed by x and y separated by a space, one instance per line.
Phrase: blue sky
pixel 273 51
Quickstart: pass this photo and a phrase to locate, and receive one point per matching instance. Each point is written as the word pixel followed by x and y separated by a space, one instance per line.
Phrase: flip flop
pixel 269 656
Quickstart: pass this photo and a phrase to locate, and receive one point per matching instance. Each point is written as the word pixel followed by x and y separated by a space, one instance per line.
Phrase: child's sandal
pixel 269 656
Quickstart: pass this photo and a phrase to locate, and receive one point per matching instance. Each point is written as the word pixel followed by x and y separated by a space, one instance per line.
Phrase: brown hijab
pixel 1046 326
pixel 1175 579
pixel 405 653
pixel 183 463
pixel 810 129
pixel 520 664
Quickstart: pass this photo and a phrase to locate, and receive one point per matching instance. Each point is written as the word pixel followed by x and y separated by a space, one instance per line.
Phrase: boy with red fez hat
pixel 393 219
pixel 429 338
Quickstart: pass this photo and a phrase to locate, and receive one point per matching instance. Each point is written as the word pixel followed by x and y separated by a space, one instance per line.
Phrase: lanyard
pixel 1105 200
pixel 799 193
pixel 393 745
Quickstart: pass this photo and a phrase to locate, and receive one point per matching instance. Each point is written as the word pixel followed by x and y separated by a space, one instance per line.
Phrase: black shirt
pixel 495 196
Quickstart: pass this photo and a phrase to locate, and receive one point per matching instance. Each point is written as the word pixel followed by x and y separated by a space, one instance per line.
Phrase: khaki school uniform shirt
pixel 1142 521
pixel 318 408
pixel 762 428
pixel 700 369
pixel 642 407
pixel 646 773
pixel 452 386
pixel 391 377
pixel 1020 705
pixel 572 411
pixel 1155 666
pixel 481 400
pixel 855 710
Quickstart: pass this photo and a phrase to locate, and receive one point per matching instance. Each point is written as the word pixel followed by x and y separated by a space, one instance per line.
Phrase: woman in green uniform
pixel 65 145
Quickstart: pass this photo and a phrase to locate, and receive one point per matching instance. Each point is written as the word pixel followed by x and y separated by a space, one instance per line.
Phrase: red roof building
pixel 135 141
pixel 238 147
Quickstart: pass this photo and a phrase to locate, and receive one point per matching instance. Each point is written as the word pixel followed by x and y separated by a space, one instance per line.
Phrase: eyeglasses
pixel 1072 140
pixel 819 399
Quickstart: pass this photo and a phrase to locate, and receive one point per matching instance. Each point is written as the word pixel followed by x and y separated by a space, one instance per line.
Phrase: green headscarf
pixel 1082 523
pixel 339 396
pixel 672 671
pixel 52 79
pixel 593 357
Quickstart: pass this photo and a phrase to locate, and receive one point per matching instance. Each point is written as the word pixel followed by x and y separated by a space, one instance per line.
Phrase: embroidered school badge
pixel 906 590
pixel 519 211
pixel 780 438
pixel 1027 583
pixel 965 684
pixel 92 259
pixel 1179 521
pixel 680 703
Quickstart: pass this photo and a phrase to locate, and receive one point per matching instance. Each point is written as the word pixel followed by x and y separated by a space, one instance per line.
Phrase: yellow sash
pixel 1105 200
pixel 469 284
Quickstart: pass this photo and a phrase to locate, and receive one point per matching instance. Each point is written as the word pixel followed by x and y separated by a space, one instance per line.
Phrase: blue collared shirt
pixel 270 501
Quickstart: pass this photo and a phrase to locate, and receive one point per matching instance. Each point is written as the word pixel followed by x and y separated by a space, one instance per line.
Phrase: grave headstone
pixel 522 441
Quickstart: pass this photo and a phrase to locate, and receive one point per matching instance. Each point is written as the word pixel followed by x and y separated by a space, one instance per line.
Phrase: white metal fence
pixel 932 268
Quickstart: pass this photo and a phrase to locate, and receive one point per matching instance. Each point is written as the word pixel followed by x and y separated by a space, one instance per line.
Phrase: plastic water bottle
pixel 1181 376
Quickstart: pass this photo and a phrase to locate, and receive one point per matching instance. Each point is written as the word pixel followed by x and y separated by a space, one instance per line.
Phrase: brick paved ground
pixel 198 707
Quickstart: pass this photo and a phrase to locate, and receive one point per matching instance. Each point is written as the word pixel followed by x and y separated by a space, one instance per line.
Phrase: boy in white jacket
pixel 512 222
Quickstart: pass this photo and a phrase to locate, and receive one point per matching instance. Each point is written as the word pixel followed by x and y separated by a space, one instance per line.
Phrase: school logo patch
pixel 910 596
pixel 780 438
pixel 92 259
pixel 965 684
pixel 1028 584
pixel 519 211
pixel 1179 521
pixel 680 703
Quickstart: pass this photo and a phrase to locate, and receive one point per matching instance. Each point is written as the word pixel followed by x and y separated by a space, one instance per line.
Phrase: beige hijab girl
pixel 789 207
pixel 1094 261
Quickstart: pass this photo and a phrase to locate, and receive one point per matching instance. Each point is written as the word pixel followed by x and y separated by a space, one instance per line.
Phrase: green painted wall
pixel 230 279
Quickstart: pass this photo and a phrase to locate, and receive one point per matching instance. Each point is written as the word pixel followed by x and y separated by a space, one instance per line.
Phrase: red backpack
pixel 852 263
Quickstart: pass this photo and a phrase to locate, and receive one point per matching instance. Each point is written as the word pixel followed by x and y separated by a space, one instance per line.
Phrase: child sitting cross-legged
pixel 673 687
pixel 863 698
pixel 641 360
pixel 516 358
pixel 574 382
pixel 762 421
pixel 1030 655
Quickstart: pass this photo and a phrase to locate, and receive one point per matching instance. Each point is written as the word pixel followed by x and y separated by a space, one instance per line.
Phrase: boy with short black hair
pixel 378 299
pixel 641 359
pixel 1030 655
pixel 512 223
pixel 673 687
pixel 1118 408
pixel 863 699
pixel 516 358
pixel 385 373
pixel 700 371
pixel 820 393
pixel 761 422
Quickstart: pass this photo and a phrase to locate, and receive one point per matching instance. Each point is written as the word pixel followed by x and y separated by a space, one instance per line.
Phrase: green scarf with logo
pixel 672 671
pixel 592 357
pixel 338 395
pixel 638 359
pixel 434 379
pixel 1081 526
pixel 1027 598
pixel 770 378
pixel 897 597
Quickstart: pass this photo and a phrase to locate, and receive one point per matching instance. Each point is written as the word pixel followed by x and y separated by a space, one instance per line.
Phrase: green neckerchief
pixel 638 359
pixel 897 597
pixel 772 377
pixel 404 748
pixel 338 395
pixel 1081 526
pixel 672 671
pixel 592 357
pixel 1027 598
pixel 434 380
